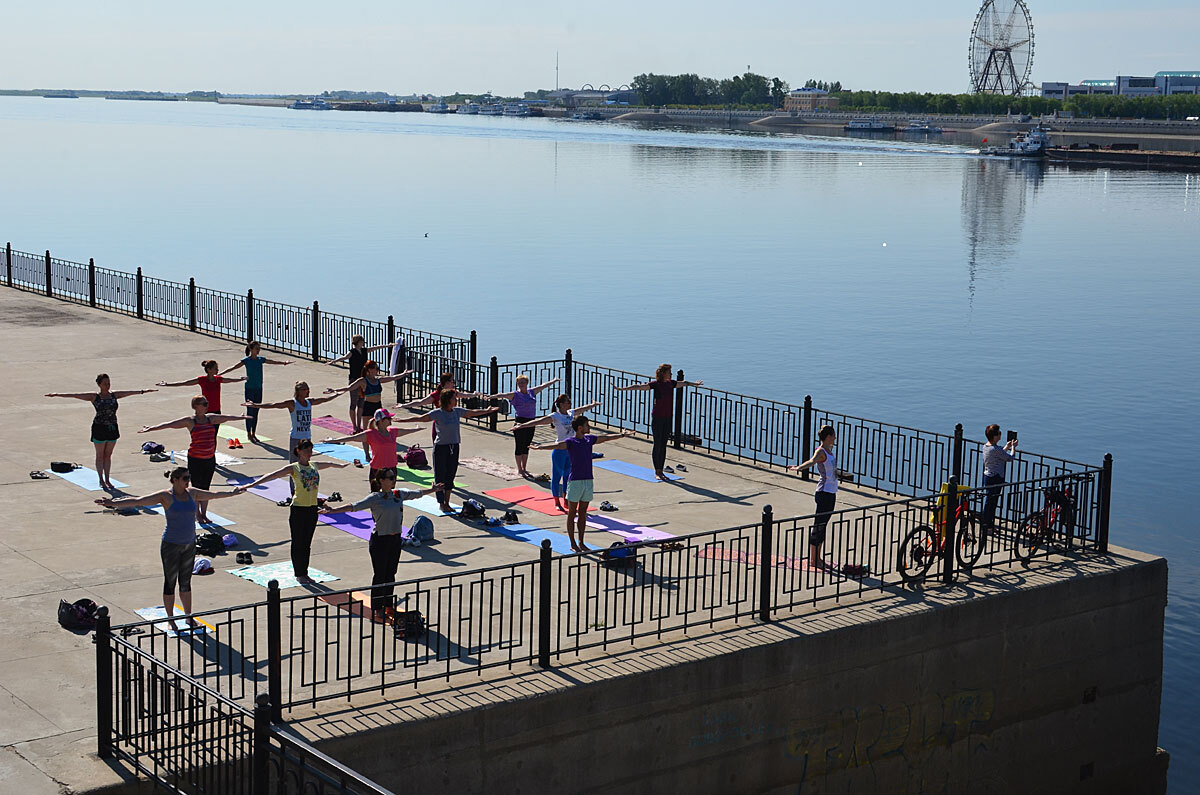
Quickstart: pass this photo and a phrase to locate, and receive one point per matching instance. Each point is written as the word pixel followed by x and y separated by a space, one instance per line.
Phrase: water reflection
pixel 994 194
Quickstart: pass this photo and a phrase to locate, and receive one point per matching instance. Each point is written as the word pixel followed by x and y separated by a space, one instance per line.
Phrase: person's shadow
pixel 709 495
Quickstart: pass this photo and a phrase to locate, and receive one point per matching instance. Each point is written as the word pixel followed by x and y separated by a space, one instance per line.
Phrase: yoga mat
pixel 626 530
pixel 632 470
pixel 282 571
pixel 231 431
pixel 85 478
pixel 494 468
pixel 421 477
pixel 223 459
pixel 214 520
pixel 273 490
pixel 529 497
pixel 796 564
pixel 533 535
pixel 429 504
pixel 333 424
pixel 342 452
pixel 357 523
pixel 358 603
pixel 159 612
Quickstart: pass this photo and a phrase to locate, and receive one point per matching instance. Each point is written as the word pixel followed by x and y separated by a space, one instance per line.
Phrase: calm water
pixel 911 282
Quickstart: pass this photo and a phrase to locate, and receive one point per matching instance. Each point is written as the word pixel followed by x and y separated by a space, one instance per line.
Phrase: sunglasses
pixel 185 477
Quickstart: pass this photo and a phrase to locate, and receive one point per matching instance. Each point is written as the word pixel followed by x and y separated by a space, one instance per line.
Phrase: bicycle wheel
pixel 917 553
pixel 968 541
pixel 1031 535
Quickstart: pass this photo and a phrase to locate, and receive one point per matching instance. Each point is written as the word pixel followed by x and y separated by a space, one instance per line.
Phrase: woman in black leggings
pixel 663 412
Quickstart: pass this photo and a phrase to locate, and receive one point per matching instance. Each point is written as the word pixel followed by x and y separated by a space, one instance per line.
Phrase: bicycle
pixel 923 545
pixel 1056 517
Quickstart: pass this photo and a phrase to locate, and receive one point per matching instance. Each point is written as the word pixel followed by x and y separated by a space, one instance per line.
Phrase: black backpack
pixel 210 544
pixel 410 625
pixel 472 509
pixel 77 617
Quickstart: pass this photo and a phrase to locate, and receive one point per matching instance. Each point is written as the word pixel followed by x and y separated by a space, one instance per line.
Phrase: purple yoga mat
pixel 334 424
pixel 357 523
pixel 627 530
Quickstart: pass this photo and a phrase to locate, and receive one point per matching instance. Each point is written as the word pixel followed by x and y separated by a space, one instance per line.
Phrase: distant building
pixel 592 98
pixel 1178 82
pixel 1162 84
pixel 809 99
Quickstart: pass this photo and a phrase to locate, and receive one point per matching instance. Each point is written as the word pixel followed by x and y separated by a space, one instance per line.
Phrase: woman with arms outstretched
pixel 524 404
pixel 371 385
pixel 560 462
pixel 104 427
pixel 300 407
pixel 202 452
pixel 447 420
pixel 662 413
pixel 381 438
pixel 254 383
pixel 209 383
pixel 178 547
pixel 356 357
pixel 302 518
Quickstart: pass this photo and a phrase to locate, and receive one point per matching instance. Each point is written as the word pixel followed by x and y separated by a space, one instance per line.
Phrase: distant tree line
pixel 746 90
pixel 1177 106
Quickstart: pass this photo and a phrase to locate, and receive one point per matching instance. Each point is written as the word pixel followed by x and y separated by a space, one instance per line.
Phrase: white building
pixel 1162 84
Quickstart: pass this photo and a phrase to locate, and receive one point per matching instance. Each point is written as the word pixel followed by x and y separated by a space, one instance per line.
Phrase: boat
pixel 468 109
pixel 587 115
pixel 438 107
pixel 872 124
pixel 1028 144
pixel 316 103
pixel 516 109
pixel 491 109
pixel 922 127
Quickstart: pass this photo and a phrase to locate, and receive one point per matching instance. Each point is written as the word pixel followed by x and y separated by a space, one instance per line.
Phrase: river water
pixel 902 280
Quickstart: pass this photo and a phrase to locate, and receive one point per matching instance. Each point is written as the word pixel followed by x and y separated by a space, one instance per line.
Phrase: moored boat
pixel 873 124
pixel 1028 144
pixel 922 127
pixel 316 103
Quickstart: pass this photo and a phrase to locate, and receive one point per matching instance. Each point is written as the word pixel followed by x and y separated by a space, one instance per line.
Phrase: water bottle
pixel 172 456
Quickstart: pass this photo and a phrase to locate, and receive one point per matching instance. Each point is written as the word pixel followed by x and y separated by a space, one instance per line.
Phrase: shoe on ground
pixel 669 470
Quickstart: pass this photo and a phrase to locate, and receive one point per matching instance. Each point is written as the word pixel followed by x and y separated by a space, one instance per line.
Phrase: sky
pixel 302 46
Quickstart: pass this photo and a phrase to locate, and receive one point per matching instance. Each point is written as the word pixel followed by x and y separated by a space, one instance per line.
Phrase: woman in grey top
pixel 445 449
pixel 387 509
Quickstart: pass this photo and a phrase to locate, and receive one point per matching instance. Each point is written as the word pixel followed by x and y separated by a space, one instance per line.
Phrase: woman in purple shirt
pixel 661 415
pixel 524 404
pixel 580 487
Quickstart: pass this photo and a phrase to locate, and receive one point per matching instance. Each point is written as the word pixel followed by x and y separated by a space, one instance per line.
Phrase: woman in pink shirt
pixel 381 437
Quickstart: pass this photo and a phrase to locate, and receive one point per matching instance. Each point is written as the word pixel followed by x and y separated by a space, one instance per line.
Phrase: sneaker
pixel 680 467
pixel 669 470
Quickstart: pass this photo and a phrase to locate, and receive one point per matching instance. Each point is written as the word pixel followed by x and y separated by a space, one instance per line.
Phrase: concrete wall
pixel 1050 688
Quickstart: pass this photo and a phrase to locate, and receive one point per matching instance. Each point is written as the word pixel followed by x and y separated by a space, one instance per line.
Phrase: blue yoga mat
pixel 85 478
pixel 342 452
pixel 429 505
pixel 534 535
pixel 632 470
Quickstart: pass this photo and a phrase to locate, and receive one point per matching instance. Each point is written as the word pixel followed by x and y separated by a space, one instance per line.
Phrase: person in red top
pixel 661 415
pixel 381 437
pixel 202 452
pixel 210 387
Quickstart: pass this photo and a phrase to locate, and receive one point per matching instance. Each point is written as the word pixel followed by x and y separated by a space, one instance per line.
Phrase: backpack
pixel 153 448
pixel 415 458
pixel 620 554
pixel 422 529
pixel 210 544
pixel 472 509
pixel 409 625
pixel 80 616
pixel 510 517
pixel 63 466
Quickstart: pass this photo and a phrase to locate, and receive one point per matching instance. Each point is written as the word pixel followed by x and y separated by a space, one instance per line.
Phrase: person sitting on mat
pixel 357 357
pixel 825 461
pixel 254 383
pixel 302 518
pixel 662 412
pixel 387 509
pixel 580 485
pixel 445 450
pixel 524 405
pixel 178 547
pixel 202 452
pixel 560 462
pixel 209 383
pixel 381 437
pixel 104 426
pixel 301 408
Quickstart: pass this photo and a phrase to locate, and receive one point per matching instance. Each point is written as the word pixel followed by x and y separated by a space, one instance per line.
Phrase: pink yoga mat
pixel 334 424
pixel 627 530
pixel 529 497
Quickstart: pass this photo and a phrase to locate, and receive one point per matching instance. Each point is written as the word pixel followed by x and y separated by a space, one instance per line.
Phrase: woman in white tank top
pixel 825 460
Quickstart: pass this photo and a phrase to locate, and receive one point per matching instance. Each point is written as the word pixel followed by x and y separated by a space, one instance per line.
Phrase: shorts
pixel 201 470
pixel 368 410
pixel 103 432
pixel 579 491
pixel 356 401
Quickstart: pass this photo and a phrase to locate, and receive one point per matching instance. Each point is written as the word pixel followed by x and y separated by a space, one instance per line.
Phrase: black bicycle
pixel 1055 520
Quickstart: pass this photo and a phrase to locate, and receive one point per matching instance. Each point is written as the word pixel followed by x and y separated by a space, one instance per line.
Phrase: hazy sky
pixel 478 45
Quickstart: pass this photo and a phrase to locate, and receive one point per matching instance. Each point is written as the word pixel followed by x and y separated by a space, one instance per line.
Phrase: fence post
pixel 956 463
pixel 249 316
pixel 950 519
pixel 807 435
pixel 8 261
pixel 316 328
pixel 544 564
pixel 494 377
pixel 139 294
pixel 192 304
pixel 1105 503
pixel 274 651
pixel 765 546
pixel 49 285
pixel 679 413
pixel 473 351
pixel 568 372
pixel 92 282
pixel 262 745
pixel 104 690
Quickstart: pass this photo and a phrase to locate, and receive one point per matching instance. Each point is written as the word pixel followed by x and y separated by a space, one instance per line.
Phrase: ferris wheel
pixel 1001 55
